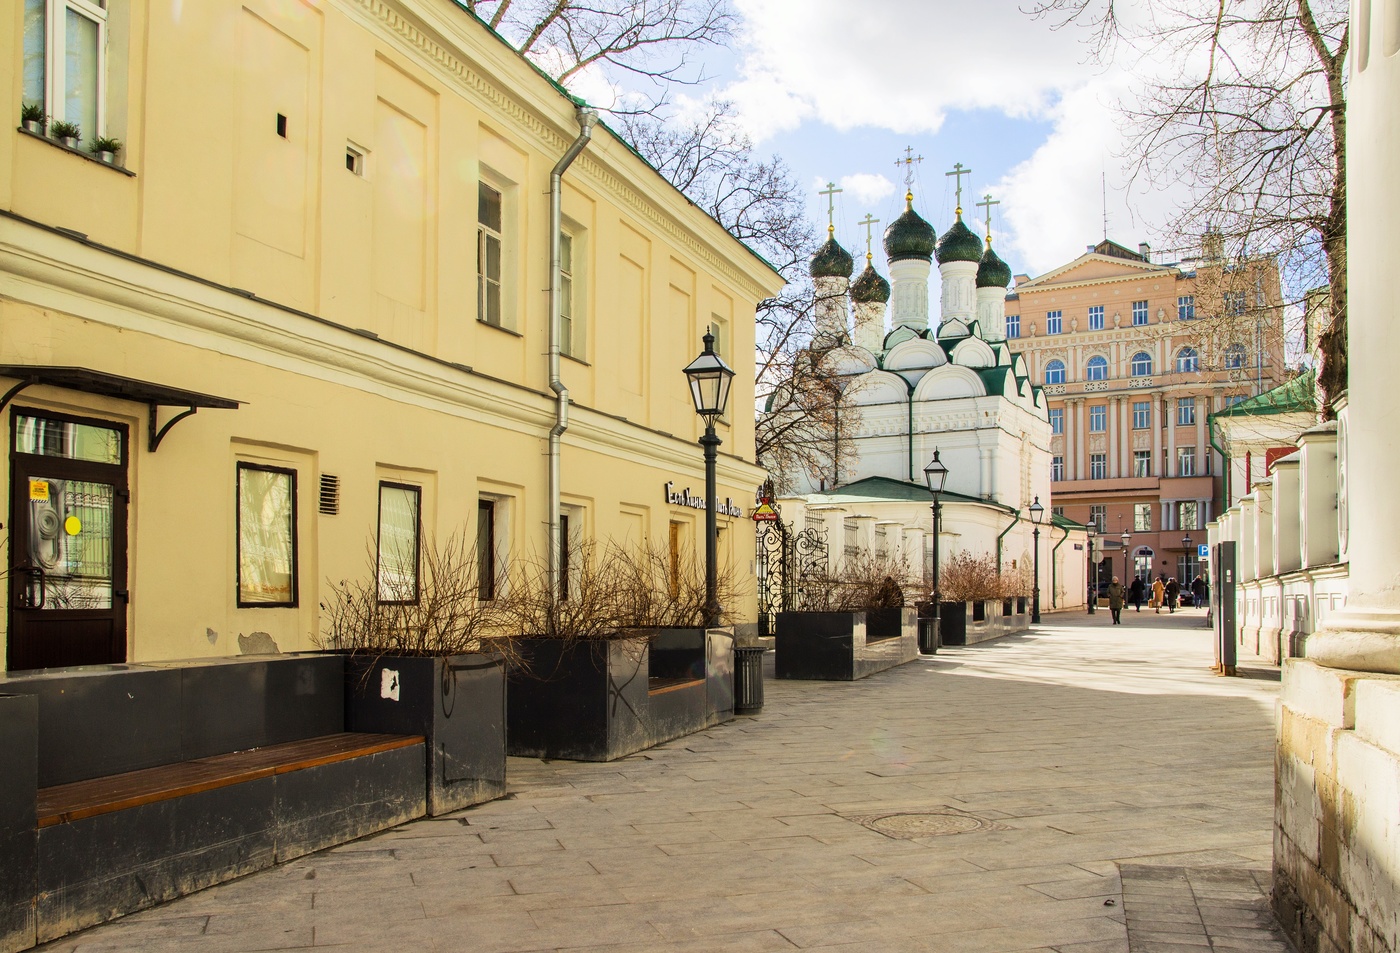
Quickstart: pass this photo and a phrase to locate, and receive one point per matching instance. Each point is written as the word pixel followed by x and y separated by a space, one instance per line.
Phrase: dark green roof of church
pixel 909 236
pixel 870 287
pixel 959 243
pixel 1298 395
pixel 993 272
pixel 832 261
pixel 885 489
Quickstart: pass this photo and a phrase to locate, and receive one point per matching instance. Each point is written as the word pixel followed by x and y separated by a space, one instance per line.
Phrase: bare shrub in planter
pixel 969 578
pixel 865 581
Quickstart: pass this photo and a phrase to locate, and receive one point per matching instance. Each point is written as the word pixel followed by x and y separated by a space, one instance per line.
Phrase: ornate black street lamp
pixel 1126 538
pixel 935 475
pixel 1037 513
pixel 709 379
pixel 1093 572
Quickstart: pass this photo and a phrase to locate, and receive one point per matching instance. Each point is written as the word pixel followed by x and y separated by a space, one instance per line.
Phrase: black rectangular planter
pixel 458 705
pixel 19 782
pixel 598 700
pixel 952 623
pixel 836 646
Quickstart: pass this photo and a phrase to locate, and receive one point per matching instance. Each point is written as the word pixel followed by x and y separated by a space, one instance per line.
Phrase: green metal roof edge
pixel 1298 395
pixel 1064 522
pixel 911 492
pixel 580 101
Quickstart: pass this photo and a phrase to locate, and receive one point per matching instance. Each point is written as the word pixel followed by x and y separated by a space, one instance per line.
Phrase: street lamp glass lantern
pixel 1037 511
pixel 1186 541
pixel 1125 538
pixel 935 474
pixel 709 380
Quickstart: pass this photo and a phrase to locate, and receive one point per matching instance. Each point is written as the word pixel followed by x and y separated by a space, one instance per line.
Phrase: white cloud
pixel 893 64
pixel 867 187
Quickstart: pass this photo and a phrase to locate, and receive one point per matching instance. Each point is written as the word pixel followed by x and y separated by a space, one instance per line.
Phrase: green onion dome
pixel 870 286
pixel 959 243
pixel 992 272
pixel 909 236
pixel 832 261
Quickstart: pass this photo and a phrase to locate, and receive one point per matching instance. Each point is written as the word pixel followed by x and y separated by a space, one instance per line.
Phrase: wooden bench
pixel 65 803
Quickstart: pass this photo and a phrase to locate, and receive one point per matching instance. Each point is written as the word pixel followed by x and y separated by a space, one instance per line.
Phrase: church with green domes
pixel 916 384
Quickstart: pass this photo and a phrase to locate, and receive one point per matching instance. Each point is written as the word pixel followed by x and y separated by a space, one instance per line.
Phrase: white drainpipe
pixel 586 118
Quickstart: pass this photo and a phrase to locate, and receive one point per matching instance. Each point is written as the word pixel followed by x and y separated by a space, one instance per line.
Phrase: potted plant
pixel 106 149
pixel 853 623
pixel 972 590
pixel 618 662
pixel 68 133
pixel 425 656
pixel 31 115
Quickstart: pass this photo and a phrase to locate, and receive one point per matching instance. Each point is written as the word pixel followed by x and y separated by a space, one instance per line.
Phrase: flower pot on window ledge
pixel 106 149
pixel 32 116
pixel 35 126
pixel 67 133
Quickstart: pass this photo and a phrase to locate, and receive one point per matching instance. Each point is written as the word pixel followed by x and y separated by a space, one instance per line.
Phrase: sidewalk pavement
pixel 1082 787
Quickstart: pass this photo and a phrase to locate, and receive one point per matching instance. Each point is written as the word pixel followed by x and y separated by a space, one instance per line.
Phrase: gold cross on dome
pixel 987 203
pixel 958 172
pixel 868 222
pixel 831 191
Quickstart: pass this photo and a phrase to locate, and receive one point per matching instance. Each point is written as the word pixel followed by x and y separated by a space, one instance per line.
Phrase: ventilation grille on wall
pixel 330 494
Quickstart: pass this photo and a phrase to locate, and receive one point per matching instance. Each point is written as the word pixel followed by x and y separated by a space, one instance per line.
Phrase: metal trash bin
pixel 928 636
pixel 748 679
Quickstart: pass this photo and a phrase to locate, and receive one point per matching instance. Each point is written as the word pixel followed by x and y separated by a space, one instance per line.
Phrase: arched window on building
pixel 1097 369
pixel 1187 361
pixel 1055 372
pixel 1142 364
pixel 1234 356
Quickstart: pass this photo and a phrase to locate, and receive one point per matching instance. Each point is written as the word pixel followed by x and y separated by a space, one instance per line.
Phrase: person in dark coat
pixel 1199 591
pixel 1137 592
pixel 1173 593
pixel 1115 600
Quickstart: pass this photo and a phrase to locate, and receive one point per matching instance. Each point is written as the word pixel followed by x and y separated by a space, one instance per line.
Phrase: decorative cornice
pixel 551 142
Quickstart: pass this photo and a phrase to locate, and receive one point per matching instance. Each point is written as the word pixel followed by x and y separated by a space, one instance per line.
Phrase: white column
pixel 1113 437
pixel 1082 464
pixel 1170 410
pixel 1202 445
pixel 1158 470
pixel 1072 438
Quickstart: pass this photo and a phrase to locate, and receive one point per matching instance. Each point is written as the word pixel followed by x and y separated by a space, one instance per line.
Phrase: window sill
pixel 576 360
pixel 499 327
pixel 77 152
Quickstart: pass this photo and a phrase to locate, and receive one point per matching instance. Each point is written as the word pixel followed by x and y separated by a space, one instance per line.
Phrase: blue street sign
pixel 1203 551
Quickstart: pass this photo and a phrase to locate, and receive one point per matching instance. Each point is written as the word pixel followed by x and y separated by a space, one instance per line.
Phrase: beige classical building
pixel 328 230
pixel 1134 356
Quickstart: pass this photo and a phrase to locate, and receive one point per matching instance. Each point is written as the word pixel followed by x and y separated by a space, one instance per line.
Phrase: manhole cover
pixel 911 825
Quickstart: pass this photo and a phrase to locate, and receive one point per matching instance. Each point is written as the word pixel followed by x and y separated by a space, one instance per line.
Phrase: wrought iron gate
pixel 788 563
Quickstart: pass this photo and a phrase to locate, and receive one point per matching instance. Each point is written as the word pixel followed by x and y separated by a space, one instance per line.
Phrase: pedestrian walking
pixel 1173 592
pixel 1200 595
pixel 1115 600
pixel 1159 589
pixel 1137 592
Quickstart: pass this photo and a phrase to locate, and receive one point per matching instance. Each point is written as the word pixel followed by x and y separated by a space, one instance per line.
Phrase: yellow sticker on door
pixel 39 490
pixel 72 526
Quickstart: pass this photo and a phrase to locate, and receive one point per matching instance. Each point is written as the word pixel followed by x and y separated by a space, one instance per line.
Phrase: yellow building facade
pixel 328 230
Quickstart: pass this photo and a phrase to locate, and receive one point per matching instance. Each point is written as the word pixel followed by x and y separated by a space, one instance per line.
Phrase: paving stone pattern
pixel 982 801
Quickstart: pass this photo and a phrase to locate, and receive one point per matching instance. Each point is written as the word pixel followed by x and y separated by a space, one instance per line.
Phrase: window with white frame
pixel 1098 418
pixel 1233 399
pixel 1190 514
pixel 1142 517
pixel 1141 364
pixel 1054 322
pixel 1057 420
pixel 1139 313
pixel 1097 369
pixel 1235 302
pixel 1234 356
pixel 65 52
pixel 1142 463
pixel 570 335
pixel 1142 414
pixel 1098 466
pixel 1057 468
pixel 398 542
pixel 1186 461
pixel 1186 307
pixel 1098 516
pixel 1013 325
pixel 1095 317
pixel 1188 361
pixel 1055 372
pixel 1185 411
pixel 488 255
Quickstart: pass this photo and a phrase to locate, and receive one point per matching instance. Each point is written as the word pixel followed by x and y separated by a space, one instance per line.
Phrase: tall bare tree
pixel 1250 114
pixel 654 41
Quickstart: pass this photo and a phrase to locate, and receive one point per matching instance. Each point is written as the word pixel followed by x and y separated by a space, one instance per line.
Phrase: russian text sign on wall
pixel 686 498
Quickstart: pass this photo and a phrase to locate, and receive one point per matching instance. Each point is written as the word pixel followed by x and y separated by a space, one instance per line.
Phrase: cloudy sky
pixel 840 89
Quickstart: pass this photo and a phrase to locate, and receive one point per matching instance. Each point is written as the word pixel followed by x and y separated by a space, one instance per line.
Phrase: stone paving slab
pixel 1078 788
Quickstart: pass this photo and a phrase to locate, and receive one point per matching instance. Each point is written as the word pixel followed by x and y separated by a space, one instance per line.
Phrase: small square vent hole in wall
pixel 330 494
